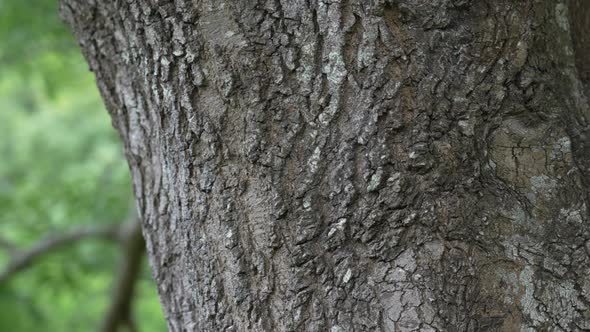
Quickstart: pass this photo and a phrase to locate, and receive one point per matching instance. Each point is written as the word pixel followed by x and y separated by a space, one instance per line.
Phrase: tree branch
pixel 24 259
pixel 8 246
pixel 119 312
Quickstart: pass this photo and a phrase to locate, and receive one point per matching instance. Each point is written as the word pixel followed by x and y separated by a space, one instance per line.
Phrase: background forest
pixel 61 168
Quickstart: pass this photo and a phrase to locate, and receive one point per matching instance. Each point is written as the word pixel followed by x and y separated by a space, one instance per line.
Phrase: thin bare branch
pixel 8 246
pixel 24 259
pixel 119 312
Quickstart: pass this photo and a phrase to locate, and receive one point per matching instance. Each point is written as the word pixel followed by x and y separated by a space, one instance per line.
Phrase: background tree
pixel 391 165
pixel 63 183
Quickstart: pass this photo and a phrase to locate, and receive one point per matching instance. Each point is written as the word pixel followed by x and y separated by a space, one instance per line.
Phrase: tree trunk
pixel 331 165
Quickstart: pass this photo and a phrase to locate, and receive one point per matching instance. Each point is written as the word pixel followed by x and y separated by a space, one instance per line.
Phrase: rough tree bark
pixel 354 165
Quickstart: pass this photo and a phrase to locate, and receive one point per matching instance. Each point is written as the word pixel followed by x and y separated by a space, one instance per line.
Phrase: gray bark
pixel 331 165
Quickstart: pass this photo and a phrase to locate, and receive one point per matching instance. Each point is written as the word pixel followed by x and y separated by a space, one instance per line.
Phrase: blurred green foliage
pixel 61 167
